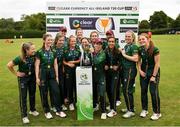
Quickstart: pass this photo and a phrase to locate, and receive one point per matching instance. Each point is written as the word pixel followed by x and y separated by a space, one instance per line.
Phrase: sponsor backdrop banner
pixel 101 16
pixel 84 93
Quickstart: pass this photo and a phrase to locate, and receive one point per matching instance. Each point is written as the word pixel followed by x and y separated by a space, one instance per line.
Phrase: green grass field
pixel 169 46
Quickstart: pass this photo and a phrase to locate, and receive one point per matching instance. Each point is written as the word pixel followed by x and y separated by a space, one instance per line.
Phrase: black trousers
pixel 111 87
pixel 70 76
pixel 119 86
pixel 27 84
pixel 52 85
pixel 99 90
pixel 129 75
pixel 61 87
pixel 154 91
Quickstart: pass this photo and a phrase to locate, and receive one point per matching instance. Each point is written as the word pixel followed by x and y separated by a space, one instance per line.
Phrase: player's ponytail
pixel 25 46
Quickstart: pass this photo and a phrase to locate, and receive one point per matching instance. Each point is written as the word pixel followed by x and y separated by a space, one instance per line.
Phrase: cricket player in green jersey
pixel 71 60
pixel 112 73
pixel 130 57
pixel 149 69
pixel 46 68
pixel 26 79
pixel 99 86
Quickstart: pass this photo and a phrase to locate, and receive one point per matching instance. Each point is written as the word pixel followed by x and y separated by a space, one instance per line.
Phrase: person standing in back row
pixel 149 69
pixel 26 79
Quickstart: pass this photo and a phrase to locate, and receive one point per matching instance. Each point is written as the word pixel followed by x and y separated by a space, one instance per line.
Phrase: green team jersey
pixel 46 57
pixel 148 63
pixel 105 44
pixel 26 66
pixel 99 63
pixel 60 54
pixel 112 58
pixel 130 50
pixel 71 55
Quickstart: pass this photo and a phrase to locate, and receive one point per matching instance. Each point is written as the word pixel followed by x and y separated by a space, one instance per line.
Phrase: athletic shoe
pixel 64 108
pixel 156 116
pixel 34 113
pixel 118 103
pixel 61 114
pixel 112 113
pixel 48 115
pixel 25 120
pixel 128 114
pixel 71 107
pixel 103 116
pixel 96 108
pixel 53 109
pixel 124 110
pixel 143 113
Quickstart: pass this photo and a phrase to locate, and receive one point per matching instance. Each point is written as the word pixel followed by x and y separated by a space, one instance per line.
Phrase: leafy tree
pixel 7 24
pixel 34 21
pixel 158 20
pixel 144 24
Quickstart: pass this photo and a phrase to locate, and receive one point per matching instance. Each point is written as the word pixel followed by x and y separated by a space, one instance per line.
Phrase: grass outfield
pixel 169 46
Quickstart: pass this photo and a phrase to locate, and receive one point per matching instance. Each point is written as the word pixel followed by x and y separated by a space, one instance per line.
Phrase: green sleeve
pixel 55 53
pixel 17 60
pixel 38 54
pixel 134 49
pixel 156 51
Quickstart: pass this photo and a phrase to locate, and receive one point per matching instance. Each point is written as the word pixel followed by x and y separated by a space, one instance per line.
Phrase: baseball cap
pixel 109 32
pixel 62 28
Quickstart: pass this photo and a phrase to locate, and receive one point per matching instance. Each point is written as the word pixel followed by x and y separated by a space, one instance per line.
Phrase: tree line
pixel 35 25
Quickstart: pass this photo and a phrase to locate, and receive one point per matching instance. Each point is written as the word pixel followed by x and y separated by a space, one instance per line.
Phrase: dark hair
pixel 115 50
pixel 151 44
pixel 57 38
pixel 44 38
pixel 25 46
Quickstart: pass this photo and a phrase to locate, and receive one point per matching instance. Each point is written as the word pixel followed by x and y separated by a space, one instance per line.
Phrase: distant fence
pixel 9 34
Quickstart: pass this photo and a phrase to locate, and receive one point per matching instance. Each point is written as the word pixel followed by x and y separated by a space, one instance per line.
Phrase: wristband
pixel 153 76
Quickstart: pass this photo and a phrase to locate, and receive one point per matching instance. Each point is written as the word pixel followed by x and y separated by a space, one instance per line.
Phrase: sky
pixel 15 8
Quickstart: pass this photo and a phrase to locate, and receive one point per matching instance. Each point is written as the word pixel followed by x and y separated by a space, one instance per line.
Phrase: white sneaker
pixel 112 113
pixel 96 108
pixel 34 113
pixel 108 108
pixel 128 114
pixel 61 114
pixel 118 103
pixel 143 113
pixel 71 107
pixel 48 115
pixel 124 110
pixel 103 116
pixel 156 116
pixel 53 109
pixel 25 120
pixel 64 108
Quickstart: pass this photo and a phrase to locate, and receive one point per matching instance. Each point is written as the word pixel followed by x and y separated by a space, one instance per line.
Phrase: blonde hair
pixel 132 34
pixel 25 46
